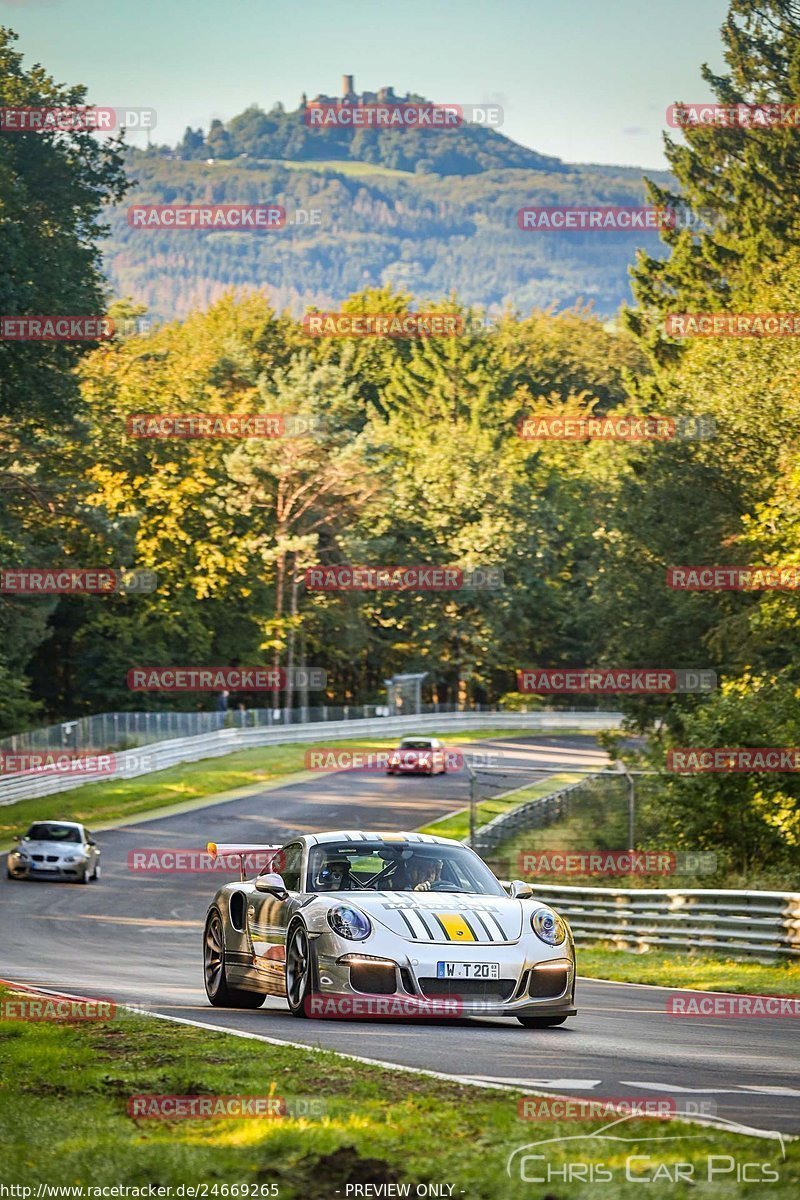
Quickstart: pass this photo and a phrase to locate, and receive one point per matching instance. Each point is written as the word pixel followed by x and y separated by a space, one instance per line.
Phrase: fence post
pixel 473 802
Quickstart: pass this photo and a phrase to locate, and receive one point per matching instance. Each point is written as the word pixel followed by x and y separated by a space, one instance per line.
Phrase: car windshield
pixel 48 832
pixel 414 744
pixel 400 867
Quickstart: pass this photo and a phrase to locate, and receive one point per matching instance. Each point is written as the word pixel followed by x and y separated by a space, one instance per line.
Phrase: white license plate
pixel 459 970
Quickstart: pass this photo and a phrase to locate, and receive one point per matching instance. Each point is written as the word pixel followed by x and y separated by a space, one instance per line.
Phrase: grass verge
pixel 66 1123
pixel 695 969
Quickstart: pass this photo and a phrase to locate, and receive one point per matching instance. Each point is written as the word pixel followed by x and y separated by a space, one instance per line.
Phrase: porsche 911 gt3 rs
pixel 386 924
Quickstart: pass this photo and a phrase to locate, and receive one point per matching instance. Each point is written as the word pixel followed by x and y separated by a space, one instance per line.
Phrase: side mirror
pixel 273 884
pixel 520 890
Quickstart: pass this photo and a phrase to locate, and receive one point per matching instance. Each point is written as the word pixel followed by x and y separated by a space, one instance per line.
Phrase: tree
pixel 52 190
pixel 742 180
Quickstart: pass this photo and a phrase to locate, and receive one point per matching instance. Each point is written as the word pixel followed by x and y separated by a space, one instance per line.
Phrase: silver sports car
pixel 55 850
pixel 386 925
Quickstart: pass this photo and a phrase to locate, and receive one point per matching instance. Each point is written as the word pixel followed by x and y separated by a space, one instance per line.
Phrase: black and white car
pixel 55 850
pixel 386 924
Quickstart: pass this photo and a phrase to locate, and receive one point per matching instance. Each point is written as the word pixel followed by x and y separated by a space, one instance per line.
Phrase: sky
pixel 583 80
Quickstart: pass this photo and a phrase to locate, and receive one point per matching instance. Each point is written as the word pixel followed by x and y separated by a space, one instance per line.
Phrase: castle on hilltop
pixel 349 96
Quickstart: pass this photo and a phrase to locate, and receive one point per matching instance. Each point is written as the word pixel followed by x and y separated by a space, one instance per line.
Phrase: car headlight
pixel 70 858
pixel 548 926
pixel 349 923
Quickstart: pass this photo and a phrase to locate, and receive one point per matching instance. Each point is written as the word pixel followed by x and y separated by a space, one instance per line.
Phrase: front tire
pixel 540 1022
pixel 301 969
pixel 218 990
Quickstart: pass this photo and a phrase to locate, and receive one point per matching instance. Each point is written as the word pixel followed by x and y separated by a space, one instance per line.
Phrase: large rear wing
pixel 262 858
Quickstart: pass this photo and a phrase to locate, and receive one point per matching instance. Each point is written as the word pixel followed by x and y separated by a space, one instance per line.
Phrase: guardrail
pixel 158 756
pixel 128 730
pixel 764 924
pixel 533 814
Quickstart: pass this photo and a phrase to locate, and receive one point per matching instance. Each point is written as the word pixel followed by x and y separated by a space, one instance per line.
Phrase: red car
pixel 418 756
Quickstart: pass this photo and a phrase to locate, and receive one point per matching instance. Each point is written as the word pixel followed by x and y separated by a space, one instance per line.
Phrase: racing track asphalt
pixel 137 939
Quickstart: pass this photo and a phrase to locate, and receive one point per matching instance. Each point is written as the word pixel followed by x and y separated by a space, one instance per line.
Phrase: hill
pixel 431 211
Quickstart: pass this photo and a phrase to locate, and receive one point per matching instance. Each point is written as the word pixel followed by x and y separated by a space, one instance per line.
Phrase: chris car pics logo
pixel 622 1151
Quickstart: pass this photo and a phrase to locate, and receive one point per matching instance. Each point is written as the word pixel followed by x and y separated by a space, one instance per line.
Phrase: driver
pixel 425 873
pixel 333 876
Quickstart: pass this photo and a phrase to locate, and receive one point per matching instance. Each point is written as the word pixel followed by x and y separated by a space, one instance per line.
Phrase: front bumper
pixel 27 869
pixel 528 984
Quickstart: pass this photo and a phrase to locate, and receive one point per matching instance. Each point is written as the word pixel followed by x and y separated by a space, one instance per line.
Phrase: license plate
pixel 463 970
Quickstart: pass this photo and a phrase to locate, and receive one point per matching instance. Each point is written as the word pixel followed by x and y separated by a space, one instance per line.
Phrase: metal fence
pixel 749 923
pixel 157 756
pixel 126 730
pixel 765 924
pixel 533 814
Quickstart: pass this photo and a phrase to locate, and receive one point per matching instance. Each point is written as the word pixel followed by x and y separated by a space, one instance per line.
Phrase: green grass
pixel 103 803
pixel 456 825
pixel 697 969
pixel 64 1121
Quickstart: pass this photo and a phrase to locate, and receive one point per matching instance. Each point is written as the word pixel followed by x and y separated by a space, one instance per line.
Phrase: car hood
pixel 445 917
